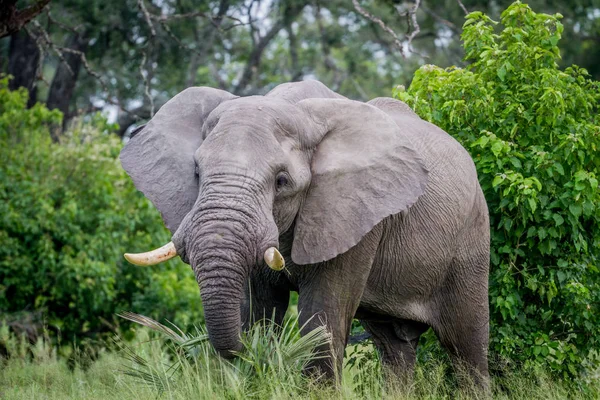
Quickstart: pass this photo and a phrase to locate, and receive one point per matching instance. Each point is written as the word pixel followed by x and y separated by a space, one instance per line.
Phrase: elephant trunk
pixel 222 298
pixel 224 240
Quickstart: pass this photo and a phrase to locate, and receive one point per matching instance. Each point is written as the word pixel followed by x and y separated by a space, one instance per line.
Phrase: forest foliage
pixel 534 133
pixel 139 53
pixel 68 211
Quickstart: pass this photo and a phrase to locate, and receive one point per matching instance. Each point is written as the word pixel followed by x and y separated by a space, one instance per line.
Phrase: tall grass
pixel 270 364
pixel 178 365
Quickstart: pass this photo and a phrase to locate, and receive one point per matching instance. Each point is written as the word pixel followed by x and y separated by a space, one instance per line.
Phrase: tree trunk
pixel 63 83
pixel 23 59
pixel 204 43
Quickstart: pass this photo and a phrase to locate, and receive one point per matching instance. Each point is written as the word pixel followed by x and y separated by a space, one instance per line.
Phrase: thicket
pixel 534 133
pixel 68 212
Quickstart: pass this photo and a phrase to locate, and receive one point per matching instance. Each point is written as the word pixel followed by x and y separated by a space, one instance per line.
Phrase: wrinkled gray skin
pixel 381 217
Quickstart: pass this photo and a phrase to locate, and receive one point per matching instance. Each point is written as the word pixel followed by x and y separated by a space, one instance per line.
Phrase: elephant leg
pixel 397 343
pixel 463 322
pixel 264 301
pixel 329 294
pixel 467 344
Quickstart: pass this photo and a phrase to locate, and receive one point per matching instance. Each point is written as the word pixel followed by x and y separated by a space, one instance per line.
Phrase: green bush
pixel 534 133
pixel 67 213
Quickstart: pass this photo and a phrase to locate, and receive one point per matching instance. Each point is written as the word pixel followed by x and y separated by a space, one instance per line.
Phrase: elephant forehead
pixel 255 115
pixel 240 147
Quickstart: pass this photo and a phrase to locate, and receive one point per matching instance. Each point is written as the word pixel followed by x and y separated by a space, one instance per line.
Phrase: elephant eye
pixel 281 181
pixel 197 170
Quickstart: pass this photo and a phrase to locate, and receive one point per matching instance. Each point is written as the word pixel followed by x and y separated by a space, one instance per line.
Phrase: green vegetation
pixel 534 133
pixel 68 211
pixel 268 369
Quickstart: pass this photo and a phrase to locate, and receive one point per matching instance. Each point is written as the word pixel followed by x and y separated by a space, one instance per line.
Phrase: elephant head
pixel 231 174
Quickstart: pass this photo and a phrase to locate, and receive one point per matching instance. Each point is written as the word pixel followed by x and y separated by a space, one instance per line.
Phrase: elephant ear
pixel 160 158
pixel 363 170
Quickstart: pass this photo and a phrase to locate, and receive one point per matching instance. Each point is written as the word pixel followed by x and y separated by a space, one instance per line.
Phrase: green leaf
pixel 558 220
pixel 532 204
pixel 575 210
pixel 482 141
pixel 516 162
pixel 588 208
pixel 498 179
pixel 559 168
pixel 562 263
pixel 497 148
pixel 581 175
pixel 501 73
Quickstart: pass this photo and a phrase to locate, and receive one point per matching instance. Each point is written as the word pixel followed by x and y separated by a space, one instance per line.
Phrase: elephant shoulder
pixel 393 107
pixel 438 149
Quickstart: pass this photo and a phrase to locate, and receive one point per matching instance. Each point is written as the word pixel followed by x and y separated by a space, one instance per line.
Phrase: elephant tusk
pixel 274 259
pixel 152 257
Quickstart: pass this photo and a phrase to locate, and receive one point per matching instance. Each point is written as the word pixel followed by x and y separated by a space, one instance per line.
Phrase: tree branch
pixel 438 18
pixel 39 69
pixel 44 42
pixel 86 66
pixel 253 29
pixel 147 78
pixel 215 20
pixel 144 10
pixel 594 38
pixel 295 71
pixel 289 14
pixel 12 20
pixel 415 25
pixel 463 7
pixel 75 30
pixel 382 24
pixel 204 41
pixel 411 17
pixel 328 61
pixel 49 43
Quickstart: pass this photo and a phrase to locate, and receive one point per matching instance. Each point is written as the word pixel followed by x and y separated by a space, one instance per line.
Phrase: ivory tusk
pixel 274 259
pixel 152 257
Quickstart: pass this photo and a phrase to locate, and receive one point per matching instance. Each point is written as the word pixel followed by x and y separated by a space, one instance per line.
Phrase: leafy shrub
pixel 67 213
pixel 534 134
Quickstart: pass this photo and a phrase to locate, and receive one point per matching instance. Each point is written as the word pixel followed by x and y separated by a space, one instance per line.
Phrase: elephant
pixel 373 212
